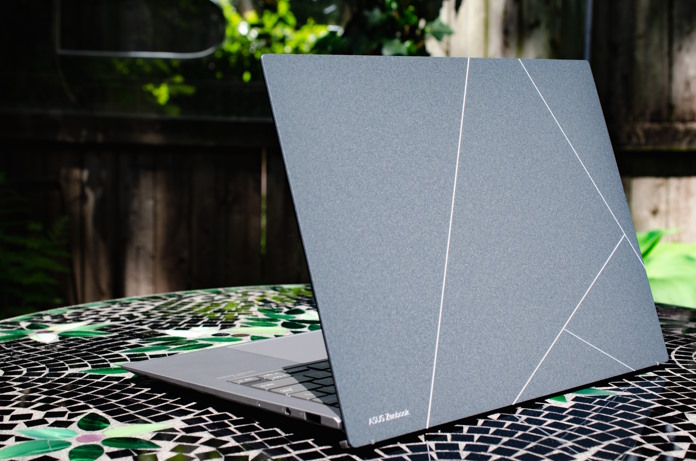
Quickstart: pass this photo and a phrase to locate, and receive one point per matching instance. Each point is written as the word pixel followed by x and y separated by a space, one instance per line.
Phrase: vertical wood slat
pixel 138 219
pixel 612 57
pixel 99 200
pixel 207 233
pixel 680 208
pixel 242 217
pixel 648 201
pixel 285 260
pixel 651 62
pixel 684 60
pixel 225 230
pixel 172 179
pixel 664 203
pixel 70 176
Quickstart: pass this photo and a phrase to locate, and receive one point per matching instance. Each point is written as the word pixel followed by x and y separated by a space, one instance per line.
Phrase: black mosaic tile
pixel 644 416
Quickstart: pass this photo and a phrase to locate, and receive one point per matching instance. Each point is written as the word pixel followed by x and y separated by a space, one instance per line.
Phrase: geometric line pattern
pixel 449 238
pixel 581 162
pixel 598 349
pixel 563 328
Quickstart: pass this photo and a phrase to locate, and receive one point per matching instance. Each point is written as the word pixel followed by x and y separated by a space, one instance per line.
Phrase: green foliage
pixel 671 268
pixel 388 27
pixel 31 256
pixel 248 36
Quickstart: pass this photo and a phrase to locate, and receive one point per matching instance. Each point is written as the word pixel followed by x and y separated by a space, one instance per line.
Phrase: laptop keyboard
pixel 311 381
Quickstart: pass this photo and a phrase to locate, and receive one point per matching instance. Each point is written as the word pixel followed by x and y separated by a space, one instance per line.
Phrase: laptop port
pixel 287 411
pixel 312 418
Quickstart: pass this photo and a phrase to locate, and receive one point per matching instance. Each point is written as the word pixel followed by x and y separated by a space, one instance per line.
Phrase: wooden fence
pixel 154 208
pixel 150 218
pixel 643 56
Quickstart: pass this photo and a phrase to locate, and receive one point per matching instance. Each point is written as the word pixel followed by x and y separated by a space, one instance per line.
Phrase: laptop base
pixel 204 371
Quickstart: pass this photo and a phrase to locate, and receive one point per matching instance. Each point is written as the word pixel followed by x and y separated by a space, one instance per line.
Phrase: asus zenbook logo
pixel 387 417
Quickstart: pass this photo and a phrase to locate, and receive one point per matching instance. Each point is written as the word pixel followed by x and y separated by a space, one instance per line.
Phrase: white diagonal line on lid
pixel 600 350
pixel 449 238
pixel 581 162
pixel 569 319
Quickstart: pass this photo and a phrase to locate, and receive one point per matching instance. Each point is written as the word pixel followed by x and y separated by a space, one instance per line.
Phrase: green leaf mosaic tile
pixel 93 422
pixel 86 453
pixel 32 448
pixel 48 433
pixel 129 442
pixel 66 397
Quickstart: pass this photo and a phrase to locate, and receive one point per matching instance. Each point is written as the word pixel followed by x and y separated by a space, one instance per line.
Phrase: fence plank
pixel 502 28
pixel 612 57
pixel 651 82
pixel 684 61
pixel 681 211
pixel 70 173
pixel 138 218
pixel 285 260
pixel 648 203
pixel 207 231
pixel 99 224
pixel 242 216
pixel 172 181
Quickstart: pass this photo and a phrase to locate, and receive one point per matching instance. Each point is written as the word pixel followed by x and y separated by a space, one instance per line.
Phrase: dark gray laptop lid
pixel 466 233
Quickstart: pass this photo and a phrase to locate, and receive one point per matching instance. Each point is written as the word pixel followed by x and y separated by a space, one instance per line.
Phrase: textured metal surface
pixel 456 215
pixel 52 388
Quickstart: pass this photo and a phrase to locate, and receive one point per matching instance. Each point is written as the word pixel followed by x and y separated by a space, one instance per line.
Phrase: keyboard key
pixel 325 382
pixel 317 374
pixel 323 365
pixel 247 379
pixel 307 395
pixel 295 388
pixel 295 369
pixel 329 390
pixel 274 375
pixel 327 399
pixel 268 385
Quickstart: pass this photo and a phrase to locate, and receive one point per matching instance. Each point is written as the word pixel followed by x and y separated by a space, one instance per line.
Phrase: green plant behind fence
pixel 32 257
pixel 671 268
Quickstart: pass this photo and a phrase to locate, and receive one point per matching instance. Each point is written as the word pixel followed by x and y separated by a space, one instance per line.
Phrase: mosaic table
pixel 64 395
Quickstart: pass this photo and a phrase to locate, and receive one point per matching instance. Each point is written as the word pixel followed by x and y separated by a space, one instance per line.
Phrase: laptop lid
pixel 466 232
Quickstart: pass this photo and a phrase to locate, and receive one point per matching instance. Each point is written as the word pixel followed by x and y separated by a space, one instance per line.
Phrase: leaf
pixel 106 371
pixel 129 442
pixel 671 269
pixel 221 339
pixel 48 433
pixel 394 47
pixel 260 323
pixel 135 429
pixel 81 334
pixel 594 391
pixel 649 240
pixel 93 422
pixel 147 349
pixel 190 347
pixel 11 335
pixel 438 29
pixel 32 448
pixel 86 452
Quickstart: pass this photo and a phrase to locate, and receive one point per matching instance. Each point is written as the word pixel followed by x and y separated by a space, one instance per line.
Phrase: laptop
pixel 468 242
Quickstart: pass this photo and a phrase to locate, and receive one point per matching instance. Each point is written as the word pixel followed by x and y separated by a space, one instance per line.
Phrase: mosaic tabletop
pixel 64 395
